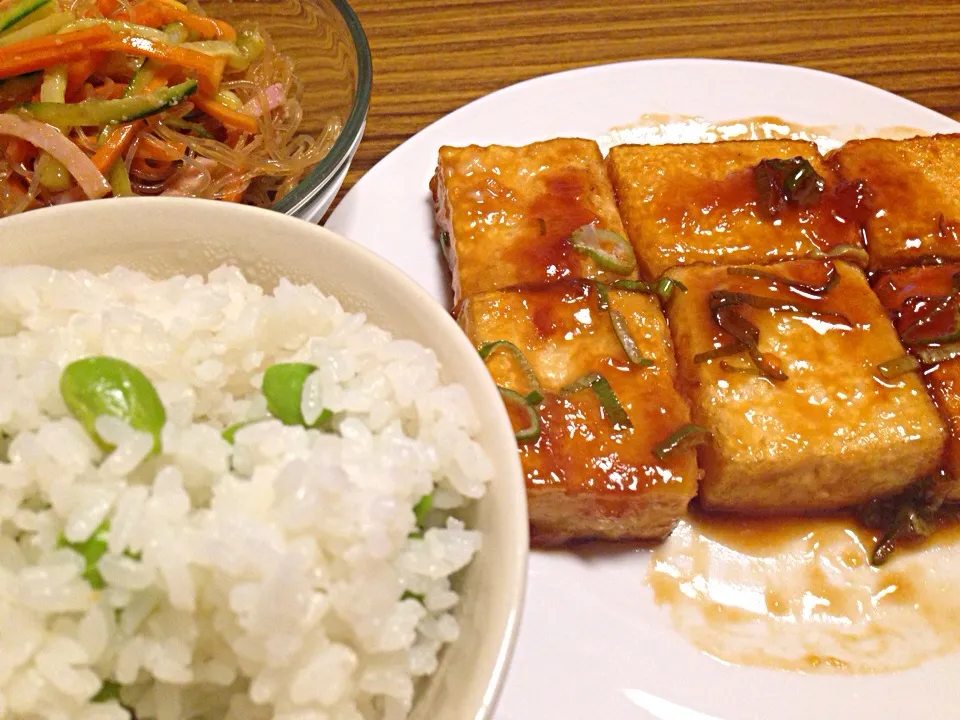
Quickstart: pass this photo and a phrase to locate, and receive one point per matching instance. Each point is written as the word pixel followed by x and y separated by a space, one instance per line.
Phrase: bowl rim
pixel 317 179
pixel 140 210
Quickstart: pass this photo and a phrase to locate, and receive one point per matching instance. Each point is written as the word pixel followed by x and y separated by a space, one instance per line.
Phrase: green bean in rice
pixel 152 565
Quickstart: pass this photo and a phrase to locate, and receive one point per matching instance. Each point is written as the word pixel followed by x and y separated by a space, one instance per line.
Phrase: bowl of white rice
pixel 248 471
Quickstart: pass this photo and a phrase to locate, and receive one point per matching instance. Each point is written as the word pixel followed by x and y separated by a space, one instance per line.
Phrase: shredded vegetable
pixel 106 98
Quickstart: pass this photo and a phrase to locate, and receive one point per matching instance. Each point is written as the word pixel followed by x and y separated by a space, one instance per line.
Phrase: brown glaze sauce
pixel 799 592
pixel 704 206
pixel 553 216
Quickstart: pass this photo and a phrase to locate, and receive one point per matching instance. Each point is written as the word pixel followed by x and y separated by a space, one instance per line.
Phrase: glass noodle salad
pixel 103 98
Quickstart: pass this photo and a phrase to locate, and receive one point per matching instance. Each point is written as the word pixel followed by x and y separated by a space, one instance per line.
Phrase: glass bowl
pixel 332 58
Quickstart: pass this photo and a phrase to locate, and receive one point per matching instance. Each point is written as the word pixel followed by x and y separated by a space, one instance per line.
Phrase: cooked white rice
pixel 270 579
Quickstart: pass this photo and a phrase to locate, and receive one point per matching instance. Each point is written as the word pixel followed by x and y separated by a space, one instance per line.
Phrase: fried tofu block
pixel 898 291
pixel 914 197
pixel 588 476
pixel 700 204
pixel 829 434
pixel 506 214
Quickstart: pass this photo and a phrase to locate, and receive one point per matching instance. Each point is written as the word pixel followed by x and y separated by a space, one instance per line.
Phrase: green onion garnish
pixel 843 251
pixel 683 438
pixel 488 347
pixel 781 182
pixel 663 288
pixel 515 399
pixel 627 342
pixel 610 250
pixel 833 277
pixel 720 352
pixel 898 366
pixel 603 297
pixel 730 367
pixel 934 355
pixel 605 394
pixel 666 286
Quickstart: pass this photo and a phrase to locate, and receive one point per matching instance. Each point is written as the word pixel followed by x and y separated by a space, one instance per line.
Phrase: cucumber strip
pixel 54 87
pixel 236 60
pixel 120 27
pixel 119 180
pixel 18 12
pixel 104 112
pixel 44 26
pixel 53 175
pixel 39 14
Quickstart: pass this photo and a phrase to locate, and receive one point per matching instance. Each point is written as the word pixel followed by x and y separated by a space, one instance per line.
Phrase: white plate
pixel 593 644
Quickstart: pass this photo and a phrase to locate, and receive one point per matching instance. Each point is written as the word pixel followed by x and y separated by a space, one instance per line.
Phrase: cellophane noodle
pixel 206 158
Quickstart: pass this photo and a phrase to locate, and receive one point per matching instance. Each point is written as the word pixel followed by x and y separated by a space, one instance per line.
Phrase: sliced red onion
pixel 48 138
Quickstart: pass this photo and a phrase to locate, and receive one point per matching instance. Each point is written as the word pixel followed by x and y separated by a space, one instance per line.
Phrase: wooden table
pixel 430 56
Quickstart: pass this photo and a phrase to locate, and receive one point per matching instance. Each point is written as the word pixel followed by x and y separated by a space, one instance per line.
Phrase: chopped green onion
pixel 666 287
pixel 605 394
pixel 407 595
pixel 909 335
pixel 911 513
pixel 833 277
pixel 720 352
pixel 532 430
pixel 627 342
pixel 729 367
pixel 603 297
pixel 934 355
pixel 683 438
pixel 444 239
pixel 610 250
pixel 488 347
pixel 898 366
pixel 534 397
pixel 663 288
pixel 640 286
pixel 843 251
pixel 781 182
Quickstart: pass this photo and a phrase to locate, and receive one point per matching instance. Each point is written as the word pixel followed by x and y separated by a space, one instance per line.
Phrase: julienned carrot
pixel 155 13
pixel 152 148
pixel 209 69
pixel 49 43
pixel 205 27
pixel 80 70
pixel 42 61
pixel 116 145
pixel 230 118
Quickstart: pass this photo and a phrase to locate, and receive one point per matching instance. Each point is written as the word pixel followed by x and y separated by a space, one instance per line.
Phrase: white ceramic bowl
pixel 166 236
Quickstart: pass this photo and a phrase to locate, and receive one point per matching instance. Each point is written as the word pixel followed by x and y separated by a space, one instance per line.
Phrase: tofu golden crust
pixel 898 291
pixel 914 197
pixel 587 476
pixel 828 436
pixel 699 204
pixel 508 213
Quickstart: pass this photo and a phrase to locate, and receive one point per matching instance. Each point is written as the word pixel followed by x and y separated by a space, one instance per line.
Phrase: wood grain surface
pixel 430 57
